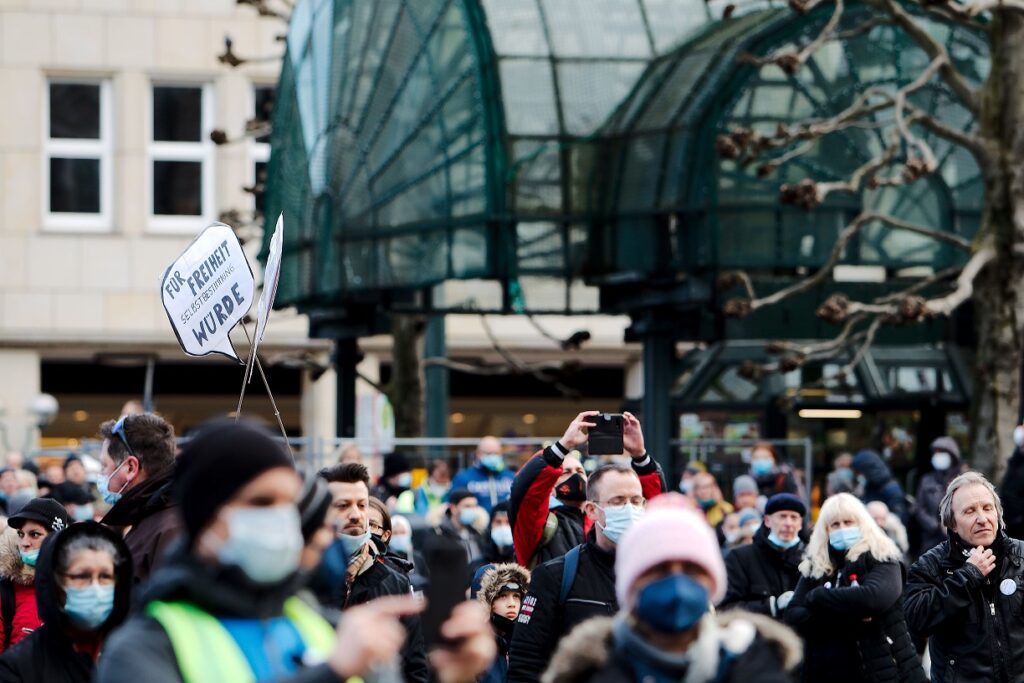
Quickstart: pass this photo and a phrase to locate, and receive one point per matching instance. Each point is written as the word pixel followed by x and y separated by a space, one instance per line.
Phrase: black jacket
pixel 727 650
pixel 48 655
pixel 855 634
pixel 141 651
pixel 759 572
pixel 976 630
pixel 153 517
pixel 1011 492
pixel 879 484
pixel 543 622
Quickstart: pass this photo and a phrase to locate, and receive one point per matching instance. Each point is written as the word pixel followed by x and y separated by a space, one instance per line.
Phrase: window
pixel 181 157
pixel 77 165
pixel 259 148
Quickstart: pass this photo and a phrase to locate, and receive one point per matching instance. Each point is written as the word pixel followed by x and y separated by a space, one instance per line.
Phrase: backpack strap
pixel 569 569
pixel 8 607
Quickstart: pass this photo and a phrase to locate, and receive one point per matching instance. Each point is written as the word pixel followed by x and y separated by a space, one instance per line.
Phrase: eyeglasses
pixel 86 579
pixel 118 431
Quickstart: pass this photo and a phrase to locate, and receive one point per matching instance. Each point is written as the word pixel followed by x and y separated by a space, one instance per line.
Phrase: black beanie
pixel 217 462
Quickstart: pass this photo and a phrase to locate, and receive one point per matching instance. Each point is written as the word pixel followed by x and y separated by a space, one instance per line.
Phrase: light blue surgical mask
pixel 618 519
pixel 779 543
pixel 83 513
pixel 103 486
pixel 404 480
pixel 493 461
pixel 264 542
pixel 502 536
pixel 845 538
pixel 401 544
pixel 761 467
pixel 352 544
pixel 30 557
pixel 467 517
pixel 88 608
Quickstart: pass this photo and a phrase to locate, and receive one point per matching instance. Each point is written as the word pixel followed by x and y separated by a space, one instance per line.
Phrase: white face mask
pixel 1018 435
pixel 264 542
pixel 942 461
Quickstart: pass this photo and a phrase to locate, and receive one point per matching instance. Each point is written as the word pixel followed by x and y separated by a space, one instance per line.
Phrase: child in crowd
pixel 502 589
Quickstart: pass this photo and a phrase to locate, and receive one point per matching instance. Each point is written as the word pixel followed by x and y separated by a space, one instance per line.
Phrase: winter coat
pixel 733 647
pixel 879 483
pixel 141 650
pixel 469 538
pixel 1011 493
pixel 491 584
pixel 490 488
pixel 855 634
pixel 781 480
pixel 976 630
pixel 930 491
pixel 153 518
pixel 759 573
pixel 540 533
pixel 19 581
pixel 543 622
pixel 51 654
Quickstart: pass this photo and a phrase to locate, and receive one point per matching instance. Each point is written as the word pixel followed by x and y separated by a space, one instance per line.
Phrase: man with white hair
pixel 966 593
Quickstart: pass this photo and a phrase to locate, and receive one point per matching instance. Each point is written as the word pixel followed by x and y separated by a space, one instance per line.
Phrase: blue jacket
pixel 489 488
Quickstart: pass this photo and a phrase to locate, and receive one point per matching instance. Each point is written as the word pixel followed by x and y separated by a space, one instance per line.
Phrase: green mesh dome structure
pixel 418 141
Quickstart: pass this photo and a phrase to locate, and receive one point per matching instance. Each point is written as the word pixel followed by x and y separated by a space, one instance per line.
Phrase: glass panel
pixel 177 188
pixel 516 27
pixel 596 28
pixel 75 185
pixel 529 97
pixel 177 114
pixel 74 111
pixel 591 91
pixel 729 386
pixel 263 95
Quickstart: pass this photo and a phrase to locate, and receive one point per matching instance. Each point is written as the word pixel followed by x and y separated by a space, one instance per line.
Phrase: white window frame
pixel 71 148
pixel 259 152
pixel 203 151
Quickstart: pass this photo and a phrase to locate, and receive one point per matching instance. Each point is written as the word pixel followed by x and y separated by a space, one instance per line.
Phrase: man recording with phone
pixel 579 583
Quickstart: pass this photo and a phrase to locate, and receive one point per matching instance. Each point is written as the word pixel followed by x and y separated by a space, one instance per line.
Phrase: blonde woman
pixel 847 604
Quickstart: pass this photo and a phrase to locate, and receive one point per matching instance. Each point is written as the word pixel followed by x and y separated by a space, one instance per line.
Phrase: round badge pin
pixel 1008 587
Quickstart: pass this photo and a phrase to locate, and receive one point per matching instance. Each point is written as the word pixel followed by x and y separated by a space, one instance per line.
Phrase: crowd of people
pixel 222 560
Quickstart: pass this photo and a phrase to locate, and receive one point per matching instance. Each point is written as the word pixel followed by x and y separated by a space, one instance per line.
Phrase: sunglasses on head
pixel 118 431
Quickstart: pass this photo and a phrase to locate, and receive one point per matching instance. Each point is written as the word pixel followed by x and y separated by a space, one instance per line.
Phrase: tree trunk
pixel 405 389
pixel 999 292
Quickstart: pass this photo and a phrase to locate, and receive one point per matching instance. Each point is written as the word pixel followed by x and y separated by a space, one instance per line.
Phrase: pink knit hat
pixel 670 530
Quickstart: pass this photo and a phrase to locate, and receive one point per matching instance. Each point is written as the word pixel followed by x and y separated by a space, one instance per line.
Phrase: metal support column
pixel 658 356
pixel 436 378
pixel 346 358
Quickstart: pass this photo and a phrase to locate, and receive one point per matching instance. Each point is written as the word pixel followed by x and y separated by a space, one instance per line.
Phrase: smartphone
pixel 606 437
pixel 449 578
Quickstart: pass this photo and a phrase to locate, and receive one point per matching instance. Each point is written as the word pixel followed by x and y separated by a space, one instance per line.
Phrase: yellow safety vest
pixel 207 653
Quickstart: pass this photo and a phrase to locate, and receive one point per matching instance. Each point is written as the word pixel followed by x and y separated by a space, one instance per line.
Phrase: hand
pixel 984 560
pixel 371 634
pixel 470 624
pixel 782 602
pixel 633 437
pixel 576 434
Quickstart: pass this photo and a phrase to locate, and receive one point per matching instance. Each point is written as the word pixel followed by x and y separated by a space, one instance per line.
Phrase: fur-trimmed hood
pixel 501 575
pixel 11 565
pixel 579 656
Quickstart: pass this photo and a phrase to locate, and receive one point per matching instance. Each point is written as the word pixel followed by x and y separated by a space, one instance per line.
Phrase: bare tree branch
pixel 373 383
pixel 969 141
pixel 977 7
pixel 790 60
pixel 919 285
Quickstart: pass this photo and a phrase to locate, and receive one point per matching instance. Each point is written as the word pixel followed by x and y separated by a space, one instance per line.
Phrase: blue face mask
pixel 706 503
pixel 83 513
pixel 353 544
pixel 404 480
pixel 673 604
pixel 761 467
pixel 103 486
pixel 89 607
pixel 30 557
pixel 618 519
pixel 264 542
pixel 467 517
pixel 401 544
pixel 502 536
pixel 845 538
pixel 778 542
pixel 493 461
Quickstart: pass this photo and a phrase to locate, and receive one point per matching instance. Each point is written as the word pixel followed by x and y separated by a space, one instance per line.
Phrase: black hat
pixel 45 511
pixel 217 462
pixel 458 495
pixel 314 502
pixel 394 463
pixel 69 492
pixel 70 459
pixel 785 501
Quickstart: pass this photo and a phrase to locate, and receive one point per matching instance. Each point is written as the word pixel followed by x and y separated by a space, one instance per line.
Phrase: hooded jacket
pixel 491 583
pixel 930 492
pixel 733 647
pixel 18 583
pixel 490 488
pixel 879 483
pixel 54 653
pixel 759 573
pixel 153 517
pixel 141 650
pixel 974 622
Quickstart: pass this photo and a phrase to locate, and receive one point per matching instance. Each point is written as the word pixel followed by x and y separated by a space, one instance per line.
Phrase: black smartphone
pixel 606 437
pixel 449 578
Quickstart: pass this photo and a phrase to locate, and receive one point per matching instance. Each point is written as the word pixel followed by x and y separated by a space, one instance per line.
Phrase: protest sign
pixel 207 291
pixel 270 278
